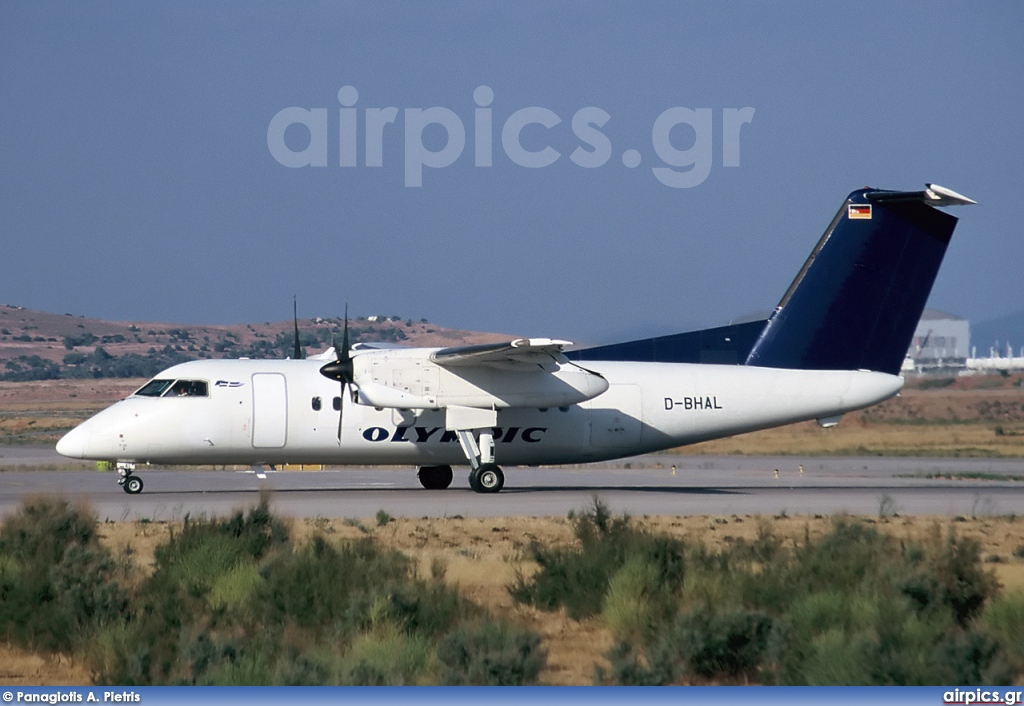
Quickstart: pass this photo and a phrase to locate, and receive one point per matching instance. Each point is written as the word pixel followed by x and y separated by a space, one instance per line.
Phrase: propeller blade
pixel 341 410
pixel 297 354
pixel 346 361
pixel 344 335
pixel 341 369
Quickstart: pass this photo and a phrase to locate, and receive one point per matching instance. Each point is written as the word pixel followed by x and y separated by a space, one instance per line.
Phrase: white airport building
pixel 942 343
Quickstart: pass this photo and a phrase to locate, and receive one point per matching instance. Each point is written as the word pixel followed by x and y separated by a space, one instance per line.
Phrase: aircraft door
pixel 615 417
pixel 269 411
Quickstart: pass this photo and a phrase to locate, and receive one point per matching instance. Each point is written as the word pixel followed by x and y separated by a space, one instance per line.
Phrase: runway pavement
pixel 646 485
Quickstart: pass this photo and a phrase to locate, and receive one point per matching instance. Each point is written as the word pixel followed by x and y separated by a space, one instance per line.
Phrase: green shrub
pixel 386 655
pixel 627 607
pixel 972 657
pixel 964 585
pixel 58 585
pixel 709 644
pixel 235 588
pixel 211 664
pixel 43 528
pixel 87 593
pixel 490 653
pixel 249 534
pixel 1003 619
pixel 833 657
pixel 854 607
pixel 224 608
pixel 578 578
pixel 199 560
pixel 330 589
pixel 628 668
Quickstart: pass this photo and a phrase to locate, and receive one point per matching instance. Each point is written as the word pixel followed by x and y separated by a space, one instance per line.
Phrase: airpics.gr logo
pixel 679 169
pixel 964 697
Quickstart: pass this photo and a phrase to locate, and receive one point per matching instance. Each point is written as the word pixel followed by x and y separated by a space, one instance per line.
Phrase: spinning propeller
pixel 341 370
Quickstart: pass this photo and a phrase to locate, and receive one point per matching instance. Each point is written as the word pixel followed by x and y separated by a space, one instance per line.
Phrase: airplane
pixel 834 344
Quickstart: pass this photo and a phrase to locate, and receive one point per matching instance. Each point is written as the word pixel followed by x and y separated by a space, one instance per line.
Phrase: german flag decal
pixel 856 210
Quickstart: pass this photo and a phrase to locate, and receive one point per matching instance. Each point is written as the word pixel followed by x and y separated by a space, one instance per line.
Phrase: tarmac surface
pixel 658 484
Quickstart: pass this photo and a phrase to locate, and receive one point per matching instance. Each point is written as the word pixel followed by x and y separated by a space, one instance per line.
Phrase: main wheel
pixel 488 478
pixel 435 477
pixel 132 485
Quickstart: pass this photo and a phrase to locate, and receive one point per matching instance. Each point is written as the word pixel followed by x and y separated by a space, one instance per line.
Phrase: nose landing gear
pixel 129 482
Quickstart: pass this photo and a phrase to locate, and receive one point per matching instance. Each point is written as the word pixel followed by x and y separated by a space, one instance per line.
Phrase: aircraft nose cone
pixel 72 444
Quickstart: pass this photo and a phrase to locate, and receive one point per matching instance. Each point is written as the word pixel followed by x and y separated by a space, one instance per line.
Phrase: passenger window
pixel 336 403
pixel 189 388
pixel 316 404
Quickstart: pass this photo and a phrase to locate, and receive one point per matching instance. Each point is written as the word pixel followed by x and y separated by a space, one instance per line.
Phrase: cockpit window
pixel 174 388
pixel 154 388
pixel 188 388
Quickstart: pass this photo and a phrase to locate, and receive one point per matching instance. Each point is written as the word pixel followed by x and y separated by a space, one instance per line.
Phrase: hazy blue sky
pixel 137 180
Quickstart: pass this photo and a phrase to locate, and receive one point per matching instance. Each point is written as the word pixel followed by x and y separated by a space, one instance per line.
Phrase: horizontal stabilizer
pixel 933 195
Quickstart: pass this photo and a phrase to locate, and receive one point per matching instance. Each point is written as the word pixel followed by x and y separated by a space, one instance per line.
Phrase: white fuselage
pixel 281 411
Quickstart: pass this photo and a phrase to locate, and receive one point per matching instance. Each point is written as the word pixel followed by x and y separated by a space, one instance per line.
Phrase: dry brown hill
pixel 37 342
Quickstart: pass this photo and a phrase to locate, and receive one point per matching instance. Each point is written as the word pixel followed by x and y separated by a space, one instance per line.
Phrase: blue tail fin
pixel 857 300
pixel 853 306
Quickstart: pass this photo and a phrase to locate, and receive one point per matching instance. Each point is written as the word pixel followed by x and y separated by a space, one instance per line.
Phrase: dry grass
pixel 20 668
pixel 40 412
pixel 47 395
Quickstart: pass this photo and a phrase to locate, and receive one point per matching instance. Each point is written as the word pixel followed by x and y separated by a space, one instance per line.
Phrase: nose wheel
pixel 132 485
pixel 129 482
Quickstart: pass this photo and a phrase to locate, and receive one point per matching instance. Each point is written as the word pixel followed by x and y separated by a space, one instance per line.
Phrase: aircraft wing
pixel 521 351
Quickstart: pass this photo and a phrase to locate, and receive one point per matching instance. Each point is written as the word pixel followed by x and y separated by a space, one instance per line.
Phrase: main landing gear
pixel 129 482
pixel 474 428
pixel 435 477
pixel 486 478
pixel 485 475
